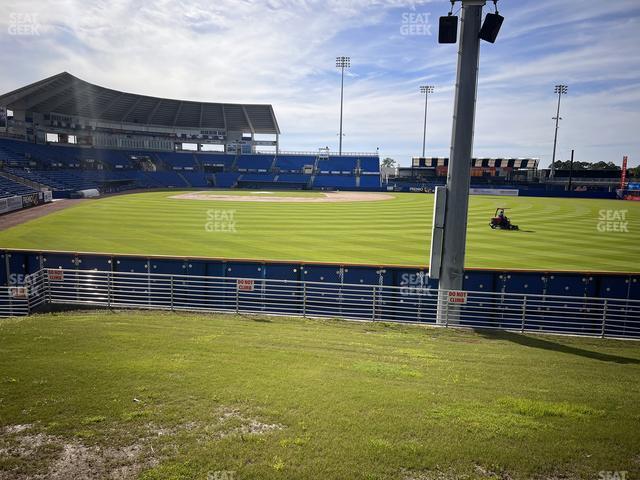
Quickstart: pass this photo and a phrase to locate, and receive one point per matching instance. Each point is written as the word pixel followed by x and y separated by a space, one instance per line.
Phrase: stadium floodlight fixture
pixel 425 90
pixel 559 90
pixel 342 63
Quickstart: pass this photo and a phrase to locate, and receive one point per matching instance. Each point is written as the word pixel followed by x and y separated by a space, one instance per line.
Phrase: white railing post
pixel 304 299
pixel 446 310
pixel 373 305
pixel 171 294
pixel 524 313
pixel 604 318
pixel 237 298
pixel 109 282
pixel 46 272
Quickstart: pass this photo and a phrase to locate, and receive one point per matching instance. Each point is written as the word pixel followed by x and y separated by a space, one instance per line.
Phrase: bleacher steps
pixel 24 181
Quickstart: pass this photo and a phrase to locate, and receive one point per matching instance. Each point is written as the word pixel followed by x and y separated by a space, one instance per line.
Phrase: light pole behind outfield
pixel 559 90
pixel 426 90
pixel 342 63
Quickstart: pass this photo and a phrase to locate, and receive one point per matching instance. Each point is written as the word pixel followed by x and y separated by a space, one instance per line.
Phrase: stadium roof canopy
pixel 68 95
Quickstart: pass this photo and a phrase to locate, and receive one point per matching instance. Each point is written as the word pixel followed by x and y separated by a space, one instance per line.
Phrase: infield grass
pixel 186 395
pixel 556 233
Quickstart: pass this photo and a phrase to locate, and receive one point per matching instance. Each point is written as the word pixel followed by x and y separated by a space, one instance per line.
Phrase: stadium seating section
pixel 67 169
pixel 9 188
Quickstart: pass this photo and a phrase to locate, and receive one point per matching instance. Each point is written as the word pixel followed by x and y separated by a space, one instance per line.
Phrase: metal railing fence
pixel 614 318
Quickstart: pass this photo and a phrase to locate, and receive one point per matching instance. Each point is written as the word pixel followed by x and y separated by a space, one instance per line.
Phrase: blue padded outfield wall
pixel 18 263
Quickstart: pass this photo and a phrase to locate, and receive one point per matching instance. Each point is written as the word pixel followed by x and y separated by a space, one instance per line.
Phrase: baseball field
pixel 378 228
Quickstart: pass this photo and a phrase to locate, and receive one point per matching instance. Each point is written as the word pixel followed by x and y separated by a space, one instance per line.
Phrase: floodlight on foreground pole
pixel 452 202
pixel 342 63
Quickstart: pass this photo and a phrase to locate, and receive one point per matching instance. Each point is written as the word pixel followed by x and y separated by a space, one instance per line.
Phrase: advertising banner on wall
pixel 494 191
pixel 30 200
pixel 10 204
pixel 14 203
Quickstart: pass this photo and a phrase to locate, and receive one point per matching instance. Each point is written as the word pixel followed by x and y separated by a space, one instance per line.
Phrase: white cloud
pixel 282 52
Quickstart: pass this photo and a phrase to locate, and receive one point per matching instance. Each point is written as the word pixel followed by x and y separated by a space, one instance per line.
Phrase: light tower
pixel 559 90
pixel 426 90
pixel 342 63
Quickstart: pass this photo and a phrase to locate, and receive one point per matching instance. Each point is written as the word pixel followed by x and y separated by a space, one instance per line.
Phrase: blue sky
pixel 283 52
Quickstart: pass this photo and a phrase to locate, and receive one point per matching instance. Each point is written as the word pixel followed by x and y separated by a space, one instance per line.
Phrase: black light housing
pixel 448 30
pixel 491 27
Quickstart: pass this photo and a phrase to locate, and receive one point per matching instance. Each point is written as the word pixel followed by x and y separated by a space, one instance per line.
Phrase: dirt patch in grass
pixel 38 455
pixel 234 422
pixel 28 454
pixel 328 197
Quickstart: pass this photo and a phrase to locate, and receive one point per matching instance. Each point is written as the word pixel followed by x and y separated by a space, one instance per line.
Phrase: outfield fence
pixel 598 317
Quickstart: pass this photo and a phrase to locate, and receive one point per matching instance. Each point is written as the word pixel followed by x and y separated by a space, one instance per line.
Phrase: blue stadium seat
pixel 226 179
pixel 335 181
pixel 293 178
pixel 337 165
pixel 294 163
pixel 254 163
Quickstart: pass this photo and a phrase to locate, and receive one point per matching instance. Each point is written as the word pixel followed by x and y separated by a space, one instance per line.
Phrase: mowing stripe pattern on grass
pixel 556 234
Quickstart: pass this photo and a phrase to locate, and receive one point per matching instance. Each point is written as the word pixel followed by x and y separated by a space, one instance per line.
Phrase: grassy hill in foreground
pixel 182 396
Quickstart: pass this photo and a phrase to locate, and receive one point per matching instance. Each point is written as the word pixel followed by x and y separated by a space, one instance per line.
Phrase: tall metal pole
pixel 341 102
pixel 342 63
pixel 426 89
pixel 571 171
pixel 458 176
pixel 560 90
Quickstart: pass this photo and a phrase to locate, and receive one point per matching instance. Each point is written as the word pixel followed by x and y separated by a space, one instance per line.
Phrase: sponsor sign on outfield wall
pixel 509 192
pixel 10 204
pixel 30 200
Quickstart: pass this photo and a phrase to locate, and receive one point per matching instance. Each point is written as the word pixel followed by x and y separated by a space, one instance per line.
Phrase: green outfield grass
pixel 182 396
pixel 556 234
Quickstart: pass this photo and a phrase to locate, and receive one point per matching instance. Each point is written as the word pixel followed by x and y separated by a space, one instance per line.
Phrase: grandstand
pixel 67 135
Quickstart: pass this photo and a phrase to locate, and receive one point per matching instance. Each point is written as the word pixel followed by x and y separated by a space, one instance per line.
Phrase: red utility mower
pixel 501 221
